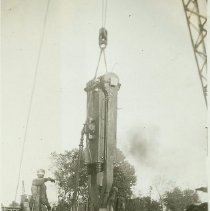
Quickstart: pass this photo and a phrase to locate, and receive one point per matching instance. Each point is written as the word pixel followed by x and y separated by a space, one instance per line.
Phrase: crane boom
pixel 196 22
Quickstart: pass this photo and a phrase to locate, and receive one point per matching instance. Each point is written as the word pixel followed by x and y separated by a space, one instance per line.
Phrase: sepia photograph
pixel 104 105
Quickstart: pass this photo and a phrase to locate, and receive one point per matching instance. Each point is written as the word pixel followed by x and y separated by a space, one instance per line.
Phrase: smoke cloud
pixel 143 145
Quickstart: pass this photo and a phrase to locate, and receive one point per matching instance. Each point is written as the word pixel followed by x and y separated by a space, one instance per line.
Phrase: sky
pixel 161 116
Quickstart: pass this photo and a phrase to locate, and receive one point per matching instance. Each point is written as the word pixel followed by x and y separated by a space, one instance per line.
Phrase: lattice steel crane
pixel 195 12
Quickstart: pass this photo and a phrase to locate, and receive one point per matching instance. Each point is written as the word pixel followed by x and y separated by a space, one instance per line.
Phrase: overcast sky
pixel 161 116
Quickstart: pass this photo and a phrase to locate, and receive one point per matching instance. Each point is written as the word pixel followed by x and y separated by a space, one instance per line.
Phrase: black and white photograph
pixel 104 105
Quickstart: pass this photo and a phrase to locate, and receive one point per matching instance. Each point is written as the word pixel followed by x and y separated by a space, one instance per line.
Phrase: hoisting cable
pixel 32 95
pixel 75 195
pixel 104 12
pixel 98 64
pixel 105 61
pixel 102 38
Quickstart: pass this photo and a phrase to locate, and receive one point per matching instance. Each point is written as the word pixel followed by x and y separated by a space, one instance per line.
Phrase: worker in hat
pixel 39 200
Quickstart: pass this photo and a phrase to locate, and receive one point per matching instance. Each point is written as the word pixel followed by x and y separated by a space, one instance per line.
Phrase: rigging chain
pixel 32 94
pixel 75 195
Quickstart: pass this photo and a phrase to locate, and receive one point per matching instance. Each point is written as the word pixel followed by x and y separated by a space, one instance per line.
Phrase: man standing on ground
pixel 39 200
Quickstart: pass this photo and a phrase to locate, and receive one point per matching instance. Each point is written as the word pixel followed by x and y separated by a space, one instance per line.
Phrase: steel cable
pixel 32 95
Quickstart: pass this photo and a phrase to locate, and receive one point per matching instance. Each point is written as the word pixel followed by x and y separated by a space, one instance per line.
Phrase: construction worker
pixel 39 200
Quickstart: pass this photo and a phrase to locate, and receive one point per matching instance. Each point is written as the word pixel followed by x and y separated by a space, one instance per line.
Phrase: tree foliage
pixel 178 199
pixel 124 175
pixel 65 167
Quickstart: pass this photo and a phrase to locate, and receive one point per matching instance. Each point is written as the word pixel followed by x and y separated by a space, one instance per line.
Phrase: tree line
pixel 65 167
